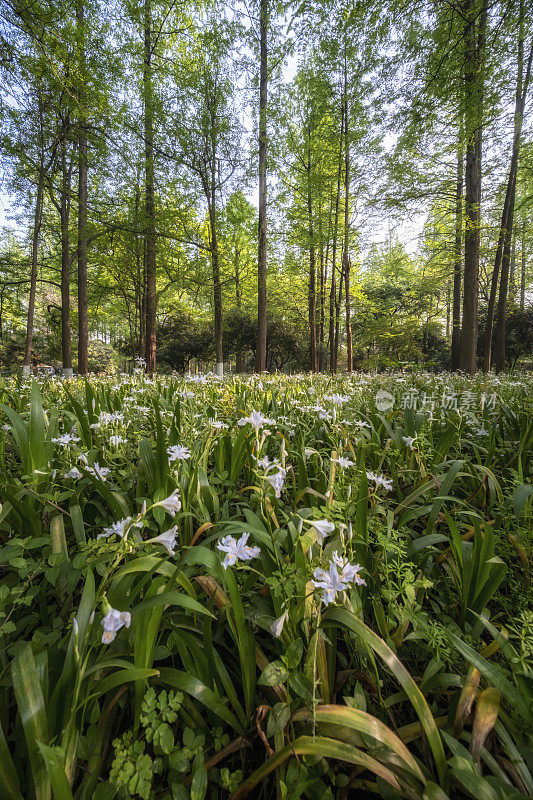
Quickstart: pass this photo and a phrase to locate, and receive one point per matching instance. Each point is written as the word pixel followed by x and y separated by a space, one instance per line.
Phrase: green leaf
pixel 9 782
pixel 520 497
pixel 273 674
pixel 343 617
pixel 199 691
pixel 199 779
pixel 172 599
pixel 32 713
pixel 363 723
pixel 56 772
pixel 294 653
pixel 493 674
pixel 320 747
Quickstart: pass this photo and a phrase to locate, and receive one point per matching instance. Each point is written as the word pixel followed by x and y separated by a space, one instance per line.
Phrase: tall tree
pixel 260 358
pixel 522 85
pixel 150 304
pixel 83 332
pixel 474 37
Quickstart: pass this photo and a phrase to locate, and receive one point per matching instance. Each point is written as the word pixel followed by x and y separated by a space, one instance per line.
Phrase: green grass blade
pixel 56 773
pixel 341 616
pixel 30 703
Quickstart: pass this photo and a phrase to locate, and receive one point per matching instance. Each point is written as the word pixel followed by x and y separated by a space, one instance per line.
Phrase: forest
pixel 316 187
pixel 266 383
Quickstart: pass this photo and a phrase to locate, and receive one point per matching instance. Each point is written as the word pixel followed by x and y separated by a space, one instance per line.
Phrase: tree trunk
pixel 239 355
pixel 505 234
pixel 338 306
pixel 522 84
pixel 333 292
pixel 473 131
pixel 34 265
pixel 504 284
pixel 457 271
pixel 83 333
pixel 346 256
pixel 523 270
pixel 215 262
pixel 512 274
pixel 448 307
pixel 260 359
pixel 66 345
pixel 312 275
pixel 150 232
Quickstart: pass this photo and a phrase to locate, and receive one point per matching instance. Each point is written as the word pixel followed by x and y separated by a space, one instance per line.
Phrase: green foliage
pixel 137 665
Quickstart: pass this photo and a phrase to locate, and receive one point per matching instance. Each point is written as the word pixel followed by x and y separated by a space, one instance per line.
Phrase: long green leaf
pixel 320 747
pixel 56 773
pixel 30 703
pixel 9 782
pixel 199 691
pixel 341 616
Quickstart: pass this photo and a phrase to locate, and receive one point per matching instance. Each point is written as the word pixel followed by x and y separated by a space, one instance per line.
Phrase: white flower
pixel 74 473
pixel 323 528
pixel 66 439
pixel 237 550
pixel 332 582
pixel 277 626
pixel 342 461
pixel 256 420
pixel 104 418
pixel 337 398
pixel 119 529
pixel 409 441
pixel 98 471
pixel 116 440
pixel 112 622
pixel 264 462
pixel 380 480
pixel 277 480
pixel 178 452
pixel 75 628
pixel 325 415
pixel 167 539
pixel 309 452
pixel 172 503
pixel 349 573
pixel 217 423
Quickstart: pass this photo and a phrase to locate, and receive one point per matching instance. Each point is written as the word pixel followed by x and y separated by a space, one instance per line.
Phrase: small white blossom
pixel 65 439
pixel 119 529
pixel 177 452
pixel 323 528
pixel 74 474
pixel 256 420
pixel 98 471
pixel 167 539
pixel 172 503
pixel 277 481
pixel 237 550
pixel 333 582
pixel 112 622
pixel 409 441
pixel 342 461
pixel 348 572
pixel 380 480
pixel 277 626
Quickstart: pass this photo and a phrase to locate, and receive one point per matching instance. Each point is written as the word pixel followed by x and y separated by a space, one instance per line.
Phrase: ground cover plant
pixel 266 586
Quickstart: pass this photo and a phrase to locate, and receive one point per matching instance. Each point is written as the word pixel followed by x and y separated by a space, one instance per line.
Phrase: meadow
pixel 266 586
